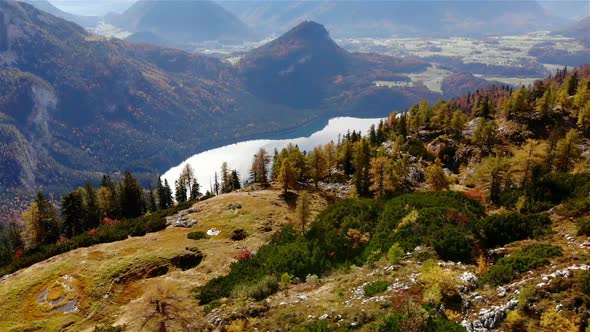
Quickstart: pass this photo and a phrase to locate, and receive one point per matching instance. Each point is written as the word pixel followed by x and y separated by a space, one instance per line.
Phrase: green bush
pixel 258 290
pixel 500 229
pixel 584 282
pixel 375 287
pixel 445 221
pixel 583 225
pixel 395 253
pixel 530 257
pixel 109 328
pixel 198 235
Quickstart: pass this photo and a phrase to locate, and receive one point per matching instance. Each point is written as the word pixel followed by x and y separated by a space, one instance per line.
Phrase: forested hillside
pixel 446 209
pixel 75 106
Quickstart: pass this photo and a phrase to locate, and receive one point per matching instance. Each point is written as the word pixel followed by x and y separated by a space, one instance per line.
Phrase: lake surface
pixel 239 155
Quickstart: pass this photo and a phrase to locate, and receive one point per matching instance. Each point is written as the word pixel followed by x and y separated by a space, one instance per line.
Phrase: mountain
pixel 567 9
pixel 579 30
pixel 305 68
pixel 74 105
pixel 182 22
pixel 404 18
pixel 46 6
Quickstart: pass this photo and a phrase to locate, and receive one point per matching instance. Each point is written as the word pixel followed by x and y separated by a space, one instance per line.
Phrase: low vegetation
pixel 530 257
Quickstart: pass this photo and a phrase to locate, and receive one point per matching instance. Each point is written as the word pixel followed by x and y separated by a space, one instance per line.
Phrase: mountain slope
pixel 305 68
pixel 74 105
pixel 46 6
pixel 386 18
pixel 182 21
pixel 580 31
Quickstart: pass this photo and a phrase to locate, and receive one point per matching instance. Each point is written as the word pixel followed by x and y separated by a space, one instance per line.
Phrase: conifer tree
pixel 303 210
pixel 362 160
pixel 72 213
pixel 132 202
pixel 380 170
pixel 168 194
pixel 180 191
pixel 92 216
pixel 235 183
pixel 287 176
pixel 567 151
pixel 436 177
pixel 195 190
pixel 316 165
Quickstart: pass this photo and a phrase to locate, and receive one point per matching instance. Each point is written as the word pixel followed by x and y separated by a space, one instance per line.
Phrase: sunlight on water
pixel 239 155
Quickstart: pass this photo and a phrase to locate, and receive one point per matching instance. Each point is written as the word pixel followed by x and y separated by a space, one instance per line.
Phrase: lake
pixel 239 155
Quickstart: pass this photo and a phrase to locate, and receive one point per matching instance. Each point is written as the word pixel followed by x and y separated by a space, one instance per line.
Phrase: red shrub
pixel 475 194
pixel 110 222
pixel 91 231
pixel 458 217
pixel 18 253
pixel 244 254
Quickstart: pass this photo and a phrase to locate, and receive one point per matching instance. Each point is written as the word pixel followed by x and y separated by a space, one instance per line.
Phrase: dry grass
pixel 102 300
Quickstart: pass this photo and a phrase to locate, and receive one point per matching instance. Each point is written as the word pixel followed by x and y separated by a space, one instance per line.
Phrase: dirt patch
pixel 148 270
pixel 188 260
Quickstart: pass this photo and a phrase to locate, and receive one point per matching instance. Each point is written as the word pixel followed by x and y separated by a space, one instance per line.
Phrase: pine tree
pixel 436 177
pixel 494 175
pixel 225 178
pixel 41 222
pixel 180 191
pixel 72 213
pixel 380 170
pixel 303 210
pixel 162 195
pixel 259 169
pixel 362 162
pixel 153 206
pixel 216 185
pixel 195 190
pixel 235 183
pixel 92 211
pixel 317 165
pixel 132 202
pixel 168 194
pixel 186 176
pixel 287 176
pixel 567 151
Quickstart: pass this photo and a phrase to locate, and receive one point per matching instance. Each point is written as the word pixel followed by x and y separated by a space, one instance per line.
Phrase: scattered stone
pixel 559 307
pixel 479 299
pixel 184 223
pixel 324 316
pixel 501 291
pixel 469 278
pixel 233 206
pixel 213 232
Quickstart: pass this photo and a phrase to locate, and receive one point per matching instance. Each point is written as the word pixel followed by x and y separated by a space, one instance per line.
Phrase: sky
pixel 92 7
pixel 560 8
